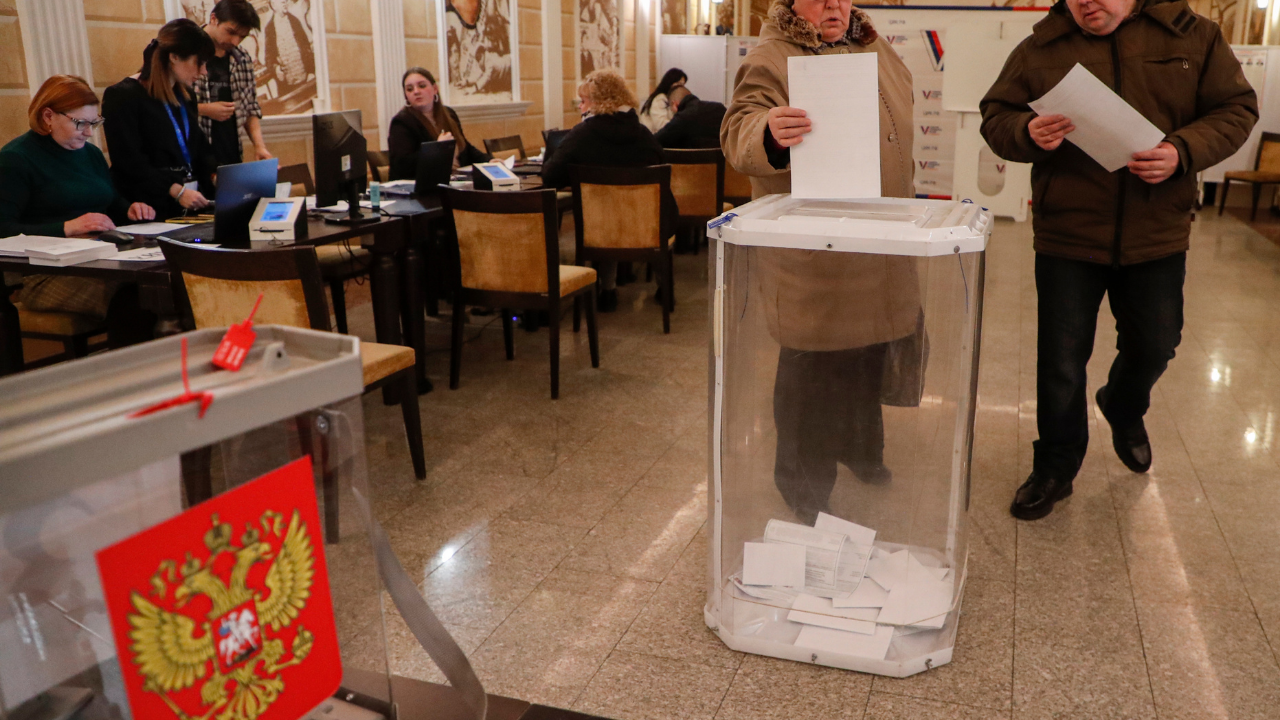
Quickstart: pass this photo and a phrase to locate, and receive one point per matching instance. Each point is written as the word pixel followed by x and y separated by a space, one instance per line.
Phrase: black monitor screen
pixel 435 166
pixel 341 155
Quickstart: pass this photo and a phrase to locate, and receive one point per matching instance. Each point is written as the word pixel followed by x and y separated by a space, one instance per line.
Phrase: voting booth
pixel 189 543
pixel 844 361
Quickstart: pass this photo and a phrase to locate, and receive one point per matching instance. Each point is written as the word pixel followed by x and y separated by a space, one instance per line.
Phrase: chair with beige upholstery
pixel 737 187
pixel 1266 171
pixel 617 215
pixel 379 165
pixel 216 287
pixel 697 181
pixel 72 330
pixel 504 147
pixel 509 253
pixel 339 262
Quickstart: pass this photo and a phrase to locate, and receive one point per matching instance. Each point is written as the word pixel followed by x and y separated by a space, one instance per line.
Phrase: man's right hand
pixel 1049 131
pixel 217 111
pixel 192 200
pixel 788 125
pixel 87 224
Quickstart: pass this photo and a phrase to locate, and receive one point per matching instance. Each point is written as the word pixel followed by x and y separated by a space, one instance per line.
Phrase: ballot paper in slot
pixel 1107 128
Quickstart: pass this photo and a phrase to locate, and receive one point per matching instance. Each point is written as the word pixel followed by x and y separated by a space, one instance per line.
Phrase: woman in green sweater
pixel 57 184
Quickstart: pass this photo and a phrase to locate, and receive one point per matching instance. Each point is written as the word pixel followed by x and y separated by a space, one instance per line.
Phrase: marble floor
pixel 564 543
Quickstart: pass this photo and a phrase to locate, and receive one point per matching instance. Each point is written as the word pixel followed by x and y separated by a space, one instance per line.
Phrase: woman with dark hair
pixel 425 119
pixel 159 155
pixel 656 110
pixel 57 183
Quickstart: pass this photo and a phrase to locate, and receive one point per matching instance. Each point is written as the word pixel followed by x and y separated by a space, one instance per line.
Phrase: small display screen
pixel 277 212
pixel 499 172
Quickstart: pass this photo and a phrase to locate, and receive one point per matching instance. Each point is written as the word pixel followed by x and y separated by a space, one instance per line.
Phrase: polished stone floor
pixel 564 543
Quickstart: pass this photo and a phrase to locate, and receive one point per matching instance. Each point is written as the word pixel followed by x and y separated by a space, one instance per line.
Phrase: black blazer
pixel 407 134
pixel 696 125
pixel 609 140
pixel 145 157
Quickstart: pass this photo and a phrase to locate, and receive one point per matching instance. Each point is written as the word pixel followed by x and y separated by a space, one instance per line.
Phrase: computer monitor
pixel 341 156
pixel 239 189
pixel 435 166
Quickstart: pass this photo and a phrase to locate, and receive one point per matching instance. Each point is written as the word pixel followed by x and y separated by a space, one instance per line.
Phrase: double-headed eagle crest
pixel 228 623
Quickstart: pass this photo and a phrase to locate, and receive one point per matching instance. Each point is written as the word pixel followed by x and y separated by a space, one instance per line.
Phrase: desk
pixel 384 239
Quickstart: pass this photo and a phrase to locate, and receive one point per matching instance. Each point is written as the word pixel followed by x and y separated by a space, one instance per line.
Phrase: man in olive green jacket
pixel 1125 233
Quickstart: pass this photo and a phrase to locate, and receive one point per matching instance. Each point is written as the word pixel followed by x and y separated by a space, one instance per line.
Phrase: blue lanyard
pixel 182 133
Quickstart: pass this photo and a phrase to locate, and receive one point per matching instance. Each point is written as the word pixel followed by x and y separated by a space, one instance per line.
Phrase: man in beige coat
pixel 834 314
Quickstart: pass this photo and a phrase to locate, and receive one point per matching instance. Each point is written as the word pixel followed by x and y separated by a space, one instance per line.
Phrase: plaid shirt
pixel 244 90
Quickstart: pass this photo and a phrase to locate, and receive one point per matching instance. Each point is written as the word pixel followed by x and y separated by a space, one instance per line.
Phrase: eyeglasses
pixel 82 124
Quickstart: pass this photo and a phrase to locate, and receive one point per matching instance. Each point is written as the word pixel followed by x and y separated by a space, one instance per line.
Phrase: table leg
pixel 414 305
pixel 10 335
pixel 384 286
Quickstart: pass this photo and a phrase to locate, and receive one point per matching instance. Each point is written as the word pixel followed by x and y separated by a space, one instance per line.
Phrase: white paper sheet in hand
pixel 1108 129
pixel 773 564
pixel 840 94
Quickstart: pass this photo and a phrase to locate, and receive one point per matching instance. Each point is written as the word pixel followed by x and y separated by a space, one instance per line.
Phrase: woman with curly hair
pixel 609 135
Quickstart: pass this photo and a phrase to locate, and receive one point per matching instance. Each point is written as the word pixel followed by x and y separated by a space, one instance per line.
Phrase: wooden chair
pixel 510 258
pixel 617 214
pixel 215 287
pixel 501 148
pixel 379 165
pixel 1266 171
pixel 697 181
pixel 737 187
pixel 339 262
pixel 72 330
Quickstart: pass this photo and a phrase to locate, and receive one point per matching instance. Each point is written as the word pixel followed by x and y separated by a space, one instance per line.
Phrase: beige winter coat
pixel 822 301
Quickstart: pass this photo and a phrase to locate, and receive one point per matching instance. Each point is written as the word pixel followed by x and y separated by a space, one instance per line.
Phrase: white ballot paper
pixel 832 568
pixel 151 228
pixel 813 610
pixel 1108 129
pixel 874 646
pixel 773 564
pixel 918 602
pixel 840 157
pixel 868 595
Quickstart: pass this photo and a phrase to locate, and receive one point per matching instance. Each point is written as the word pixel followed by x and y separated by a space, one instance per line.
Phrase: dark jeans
pixel 826 407
pixel 1146 300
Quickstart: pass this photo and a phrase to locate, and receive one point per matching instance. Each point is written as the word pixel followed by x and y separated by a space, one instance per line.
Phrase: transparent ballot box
pixel 226 610
pixel 844 361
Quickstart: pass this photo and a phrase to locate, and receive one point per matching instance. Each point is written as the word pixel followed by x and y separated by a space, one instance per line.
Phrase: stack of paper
pixel 55 252
pixel 398 187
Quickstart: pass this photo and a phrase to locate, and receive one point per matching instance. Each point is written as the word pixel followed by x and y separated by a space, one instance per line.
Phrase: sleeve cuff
pixel 778 156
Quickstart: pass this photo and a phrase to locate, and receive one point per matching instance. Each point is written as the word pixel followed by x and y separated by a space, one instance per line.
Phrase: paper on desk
pixel 143 255
pixel 918 602
pixel 840 157
pixel 874 646
pixel 18 245
pixel 1108 129
pixel 773 564
pixel 151 228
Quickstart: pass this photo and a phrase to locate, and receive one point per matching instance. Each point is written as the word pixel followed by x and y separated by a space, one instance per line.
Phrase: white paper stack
pixel 55 252
pixel 399 187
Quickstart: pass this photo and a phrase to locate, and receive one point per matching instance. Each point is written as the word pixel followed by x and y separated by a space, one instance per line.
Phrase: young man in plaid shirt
pixel 228 94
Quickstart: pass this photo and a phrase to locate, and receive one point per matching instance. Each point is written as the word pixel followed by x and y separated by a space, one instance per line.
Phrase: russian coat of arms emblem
pixel 224 612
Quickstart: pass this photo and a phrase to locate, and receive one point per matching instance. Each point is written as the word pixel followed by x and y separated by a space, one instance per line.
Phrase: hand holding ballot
pixel 1048 131
pixel 788 125
pixel 1155 165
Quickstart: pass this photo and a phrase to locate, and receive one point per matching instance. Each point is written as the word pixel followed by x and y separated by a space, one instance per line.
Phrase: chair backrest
pixel 298 174
pixel 507 241
pixel 553 138
pixel 435 166
pixel 501 148
pixel 697 181
pixel 215 287
pixel 737 186
pixel 1268 153
pixel 619 208
pixel 379 165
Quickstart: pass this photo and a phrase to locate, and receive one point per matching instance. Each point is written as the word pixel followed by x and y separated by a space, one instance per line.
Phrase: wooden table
pixel 394 275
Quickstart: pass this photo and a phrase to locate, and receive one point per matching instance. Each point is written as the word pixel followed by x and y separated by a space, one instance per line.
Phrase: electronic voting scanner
pixel 493 176
pixel 283 219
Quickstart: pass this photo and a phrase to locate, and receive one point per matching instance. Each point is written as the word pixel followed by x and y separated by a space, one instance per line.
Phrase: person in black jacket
pixel 610 135
pixel 696 123
pixel 425 119
pixel 159 155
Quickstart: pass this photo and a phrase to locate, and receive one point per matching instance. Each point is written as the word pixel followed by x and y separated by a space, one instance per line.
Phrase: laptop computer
pixel 239 189
pixel 435 166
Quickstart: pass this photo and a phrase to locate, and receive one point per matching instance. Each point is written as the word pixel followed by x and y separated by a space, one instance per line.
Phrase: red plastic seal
pixel 235 345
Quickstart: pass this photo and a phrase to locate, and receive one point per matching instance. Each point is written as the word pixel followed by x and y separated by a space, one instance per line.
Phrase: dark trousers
pixel 826 407
pixel 1146 300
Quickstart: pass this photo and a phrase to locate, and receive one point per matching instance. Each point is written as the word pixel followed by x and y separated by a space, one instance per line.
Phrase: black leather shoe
pixel 872 473
pixel 1037 495
pixel 1132 444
